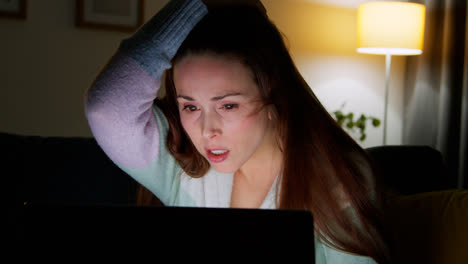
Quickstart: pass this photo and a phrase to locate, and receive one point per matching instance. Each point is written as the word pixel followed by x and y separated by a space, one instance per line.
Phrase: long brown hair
pixel 324 170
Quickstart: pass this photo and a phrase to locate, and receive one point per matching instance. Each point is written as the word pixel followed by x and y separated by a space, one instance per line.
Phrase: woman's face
pixel 221 110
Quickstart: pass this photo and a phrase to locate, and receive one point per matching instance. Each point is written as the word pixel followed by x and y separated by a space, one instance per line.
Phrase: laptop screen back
pixel 273 231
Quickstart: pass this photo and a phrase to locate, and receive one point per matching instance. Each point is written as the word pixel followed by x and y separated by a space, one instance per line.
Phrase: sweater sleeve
pixel 119 103
pixel 325 255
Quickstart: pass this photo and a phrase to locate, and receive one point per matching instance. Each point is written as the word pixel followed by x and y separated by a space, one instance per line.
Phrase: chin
pixel 223 169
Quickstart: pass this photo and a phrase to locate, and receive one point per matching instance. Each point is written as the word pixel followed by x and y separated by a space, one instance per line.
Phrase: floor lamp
pixel 390 28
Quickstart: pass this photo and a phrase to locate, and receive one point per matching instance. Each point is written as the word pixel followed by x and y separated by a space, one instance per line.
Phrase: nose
pixel 211 125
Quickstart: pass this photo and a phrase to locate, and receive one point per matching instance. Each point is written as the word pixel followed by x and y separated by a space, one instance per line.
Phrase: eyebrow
pixel 216 98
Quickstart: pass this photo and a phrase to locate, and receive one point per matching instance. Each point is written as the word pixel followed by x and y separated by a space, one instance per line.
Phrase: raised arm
pixel 119 104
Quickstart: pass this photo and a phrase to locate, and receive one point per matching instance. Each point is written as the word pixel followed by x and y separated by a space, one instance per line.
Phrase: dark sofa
pixel 63 170
pixel 428 219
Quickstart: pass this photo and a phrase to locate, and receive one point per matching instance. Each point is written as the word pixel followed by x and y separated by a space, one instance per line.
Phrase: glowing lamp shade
pixel 394 28
pixel 390 28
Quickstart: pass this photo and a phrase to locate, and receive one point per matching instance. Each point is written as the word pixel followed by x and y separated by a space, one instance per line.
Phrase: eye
pixel 190 108
pixel 230 106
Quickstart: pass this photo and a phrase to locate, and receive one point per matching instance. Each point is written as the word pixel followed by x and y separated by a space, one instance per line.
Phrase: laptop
pixel 278 232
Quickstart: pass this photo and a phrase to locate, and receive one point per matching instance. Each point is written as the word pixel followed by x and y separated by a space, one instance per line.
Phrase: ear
pixel 269 116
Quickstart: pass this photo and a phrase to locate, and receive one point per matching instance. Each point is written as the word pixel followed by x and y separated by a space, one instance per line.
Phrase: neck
pixel 264 165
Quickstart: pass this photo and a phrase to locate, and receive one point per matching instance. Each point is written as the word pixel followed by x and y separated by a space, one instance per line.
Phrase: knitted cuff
pixel 155 44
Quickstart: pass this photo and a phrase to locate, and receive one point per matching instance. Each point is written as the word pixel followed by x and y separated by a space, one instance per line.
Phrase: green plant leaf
pixel 363 137
pixel 361 124
pixel 375 122
pixel 347 121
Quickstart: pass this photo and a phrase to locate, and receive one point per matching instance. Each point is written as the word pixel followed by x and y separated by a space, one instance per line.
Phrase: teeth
pixel 218 152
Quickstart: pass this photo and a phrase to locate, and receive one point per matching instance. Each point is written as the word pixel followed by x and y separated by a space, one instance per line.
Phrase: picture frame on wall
pixel 118 15
pixel 13 9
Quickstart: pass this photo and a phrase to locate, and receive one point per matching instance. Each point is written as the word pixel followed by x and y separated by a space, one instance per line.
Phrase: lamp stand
pixel 388 61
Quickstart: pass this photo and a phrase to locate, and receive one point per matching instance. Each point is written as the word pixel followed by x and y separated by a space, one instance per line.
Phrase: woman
pixel 238 127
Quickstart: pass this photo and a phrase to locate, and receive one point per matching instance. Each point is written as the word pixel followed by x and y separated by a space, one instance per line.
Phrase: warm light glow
pixel 395 28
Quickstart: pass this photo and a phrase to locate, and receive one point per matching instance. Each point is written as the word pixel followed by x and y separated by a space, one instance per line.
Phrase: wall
pixel 47 63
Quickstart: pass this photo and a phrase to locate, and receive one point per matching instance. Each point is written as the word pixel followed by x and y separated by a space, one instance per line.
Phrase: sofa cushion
pixel 412 169
pixel 430 227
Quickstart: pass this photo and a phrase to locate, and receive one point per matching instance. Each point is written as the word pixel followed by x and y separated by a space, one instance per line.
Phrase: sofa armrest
pixel 429 227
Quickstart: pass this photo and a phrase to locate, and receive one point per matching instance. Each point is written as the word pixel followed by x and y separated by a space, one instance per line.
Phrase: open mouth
pixel 217 155
pixel 218 152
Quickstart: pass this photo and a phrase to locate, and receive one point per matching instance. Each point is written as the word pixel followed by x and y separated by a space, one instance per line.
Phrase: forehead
pixel 213 75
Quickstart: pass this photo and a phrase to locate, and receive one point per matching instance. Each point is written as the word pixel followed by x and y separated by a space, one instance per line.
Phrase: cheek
pixel 189 126
pixel 250 123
